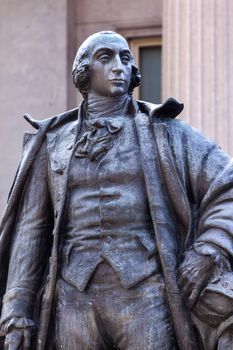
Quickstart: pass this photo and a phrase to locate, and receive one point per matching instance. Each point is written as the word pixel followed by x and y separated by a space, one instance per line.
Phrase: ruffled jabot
pixel 103 120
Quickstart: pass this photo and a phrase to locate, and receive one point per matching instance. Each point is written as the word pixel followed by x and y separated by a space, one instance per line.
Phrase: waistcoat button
pixel 107 226
pixel 108 239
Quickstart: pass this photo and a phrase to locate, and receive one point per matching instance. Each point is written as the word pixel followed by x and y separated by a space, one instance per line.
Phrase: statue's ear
pixel 171 108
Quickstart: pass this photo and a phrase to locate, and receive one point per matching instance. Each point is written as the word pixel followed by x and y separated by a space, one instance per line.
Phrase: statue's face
pixel 110 66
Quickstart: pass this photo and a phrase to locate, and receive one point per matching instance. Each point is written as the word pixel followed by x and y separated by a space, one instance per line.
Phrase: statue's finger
pixel 191 300
pixel 187 288
pixel 13 340
pixel 27 339
pixel 181 283
pixel 196 291
pixel 183 278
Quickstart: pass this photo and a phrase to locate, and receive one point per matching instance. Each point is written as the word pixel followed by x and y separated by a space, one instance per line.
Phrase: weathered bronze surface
pixel 118 229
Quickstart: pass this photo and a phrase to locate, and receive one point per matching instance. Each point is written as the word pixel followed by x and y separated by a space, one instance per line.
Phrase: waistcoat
pixel 107 215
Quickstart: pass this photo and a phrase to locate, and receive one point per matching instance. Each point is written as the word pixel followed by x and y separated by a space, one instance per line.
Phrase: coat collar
pixel 171 108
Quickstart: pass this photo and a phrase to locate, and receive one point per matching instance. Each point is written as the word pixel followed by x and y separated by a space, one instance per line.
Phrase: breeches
pixel 107 316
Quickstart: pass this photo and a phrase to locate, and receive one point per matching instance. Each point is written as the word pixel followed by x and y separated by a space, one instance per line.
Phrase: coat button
pixel 59 171
pixel 107 226
pixel 108 239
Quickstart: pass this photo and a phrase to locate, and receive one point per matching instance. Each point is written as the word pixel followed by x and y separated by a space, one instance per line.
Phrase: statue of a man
pixel 119 222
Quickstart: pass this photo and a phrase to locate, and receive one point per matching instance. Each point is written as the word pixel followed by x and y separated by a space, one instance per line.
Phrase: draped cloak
pixel 189 182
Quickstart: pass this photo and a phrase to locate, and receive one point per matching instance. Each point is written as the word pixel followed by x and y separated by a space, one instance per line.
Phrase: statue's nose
pixel 117 65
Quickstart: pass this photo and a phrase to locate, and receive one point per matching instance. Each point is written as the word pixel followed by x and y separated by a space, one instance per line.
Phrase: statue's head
pixel 104 65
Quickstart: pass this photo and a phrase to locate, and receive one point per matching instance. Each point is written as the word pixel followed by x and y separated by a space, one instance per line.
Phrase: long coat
pixel 189 183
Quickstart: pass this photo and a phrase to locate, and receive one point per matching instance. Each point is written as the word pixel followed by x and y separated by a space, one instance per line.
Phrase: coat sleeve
pixel 207 173
pixel 30 245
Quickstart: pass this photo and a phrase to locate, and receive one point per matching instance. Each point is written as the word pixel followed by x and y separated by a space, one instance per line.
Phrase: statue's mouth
pixel 117 80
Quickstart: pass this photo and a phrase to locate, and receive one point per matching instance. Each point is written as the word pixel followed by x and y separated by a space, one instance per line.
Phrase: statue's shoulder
pixel 49 128
pixel 55 122
pixel 166 113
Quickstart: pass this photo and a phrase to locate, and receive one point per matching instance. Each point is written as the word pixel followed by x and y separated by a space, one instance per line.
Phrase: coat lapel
pixel 59 144
pixel 60 149
pixel 175 190
pixel 165 230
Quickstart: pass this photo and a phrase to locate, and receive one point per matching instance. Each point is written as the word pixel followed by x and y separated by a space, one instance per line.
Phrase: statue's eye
pixel 104 58
pixel 125 59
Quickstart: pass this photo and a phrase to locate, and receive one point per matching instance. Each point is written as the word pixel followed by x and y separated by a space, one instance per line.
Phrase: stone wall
pixel 33 73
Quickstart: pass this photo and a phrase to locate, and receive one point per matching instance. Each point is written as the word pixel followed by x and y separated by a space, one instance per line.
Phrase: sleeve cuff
pixel 208 249
pixel 15 322
pixel 218 239
pixel 19 303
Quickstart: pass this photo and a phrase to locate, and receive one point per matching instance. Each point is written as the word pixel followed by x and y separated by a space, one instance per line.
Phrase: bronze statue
pixel 118 229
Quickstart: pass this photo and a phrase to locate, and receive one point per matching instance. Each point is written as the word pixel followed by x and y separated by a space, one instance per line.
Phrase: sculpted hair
pixel 81 73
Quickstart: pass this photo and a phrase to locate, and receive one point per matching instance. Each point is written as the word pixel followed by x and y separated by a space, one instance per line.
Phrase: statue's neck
pixel 99 106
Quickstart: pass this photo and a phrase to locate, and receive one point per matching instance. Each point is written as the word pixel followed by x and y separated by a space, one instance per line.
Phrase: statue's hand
pixel 18 339
pixel 195 272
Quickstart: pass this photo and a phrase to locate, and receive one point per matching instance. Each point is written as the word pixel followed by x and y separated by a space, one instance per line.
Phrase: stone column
pixel 198 64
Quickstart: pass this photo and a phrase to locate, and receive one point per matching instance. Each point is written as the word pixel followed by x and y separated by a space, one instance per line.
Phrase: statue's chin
pixel 116 92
